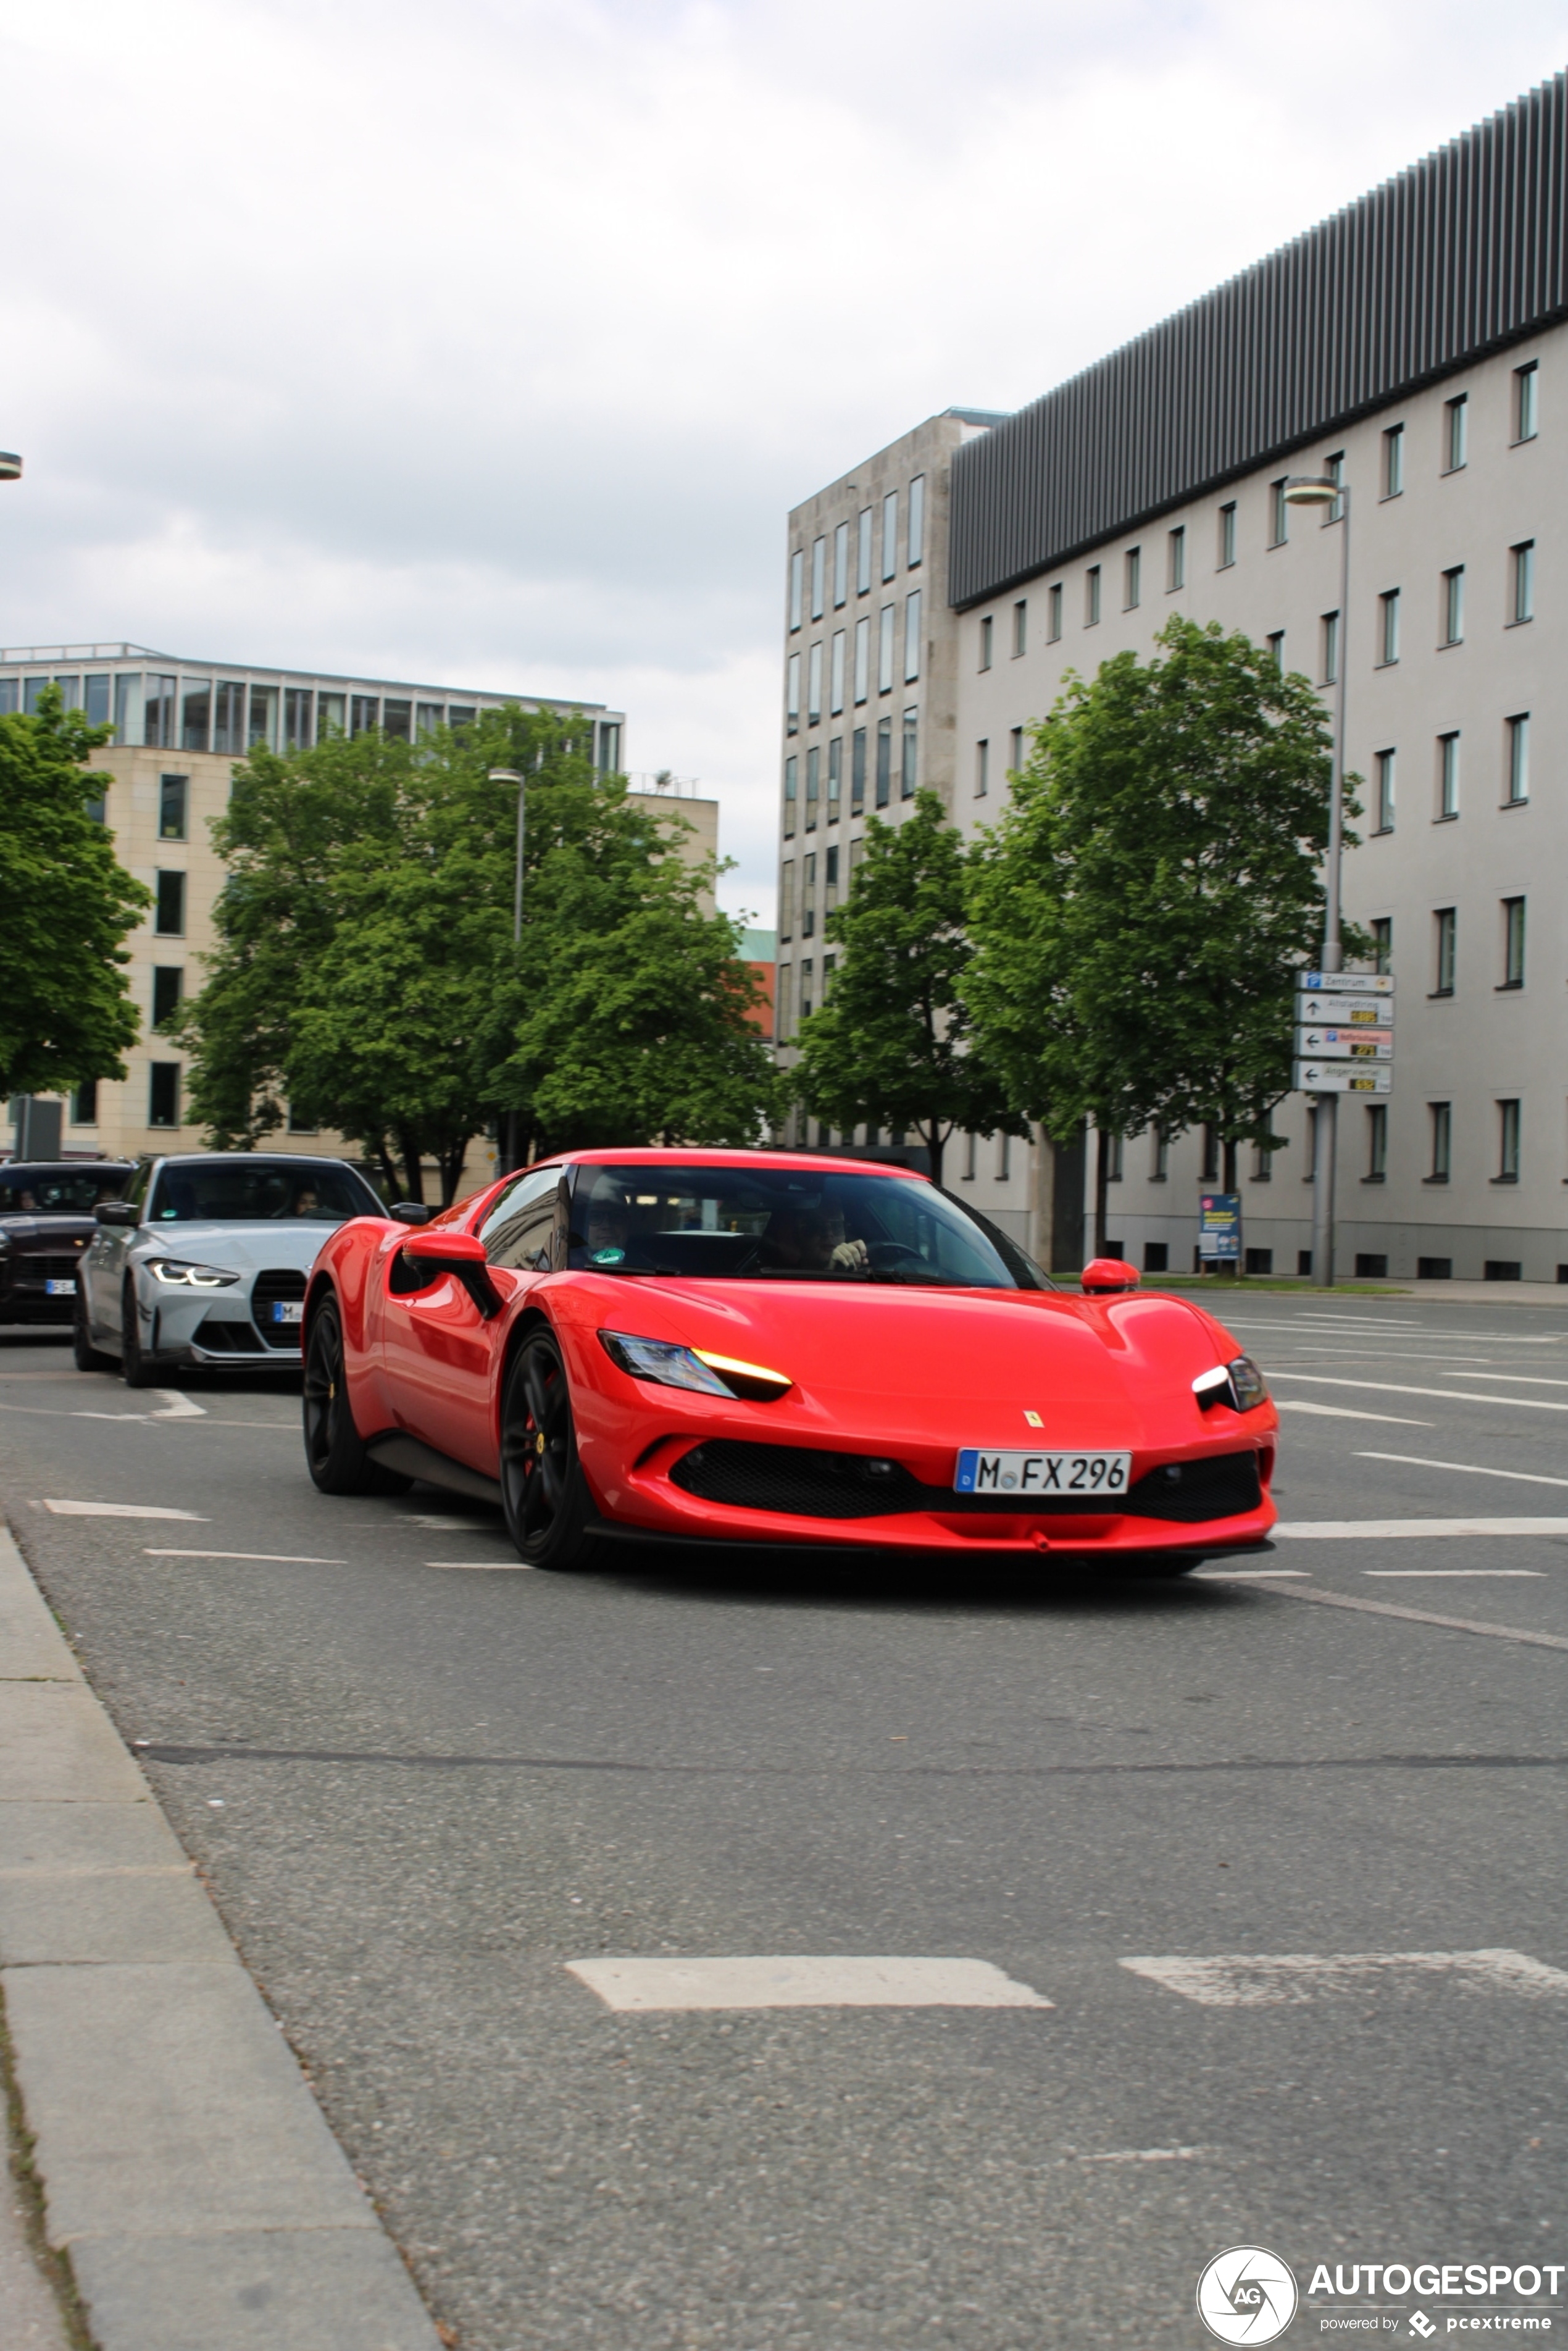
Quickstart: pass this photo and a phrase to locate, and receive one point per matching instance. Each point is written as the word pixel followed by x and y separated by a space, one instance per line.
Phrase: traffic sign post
pixel 1320 1044
pixel 1341 1078
pixel 1345 983
pixel 1344 1045
pixel 1344 1011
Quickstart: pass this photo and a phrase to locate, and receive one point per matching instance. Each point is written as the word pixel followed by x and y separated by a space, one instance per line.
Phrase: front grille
pixel 800 1481
pixel 277 1284
pixel 46 1269
pixel 220 1337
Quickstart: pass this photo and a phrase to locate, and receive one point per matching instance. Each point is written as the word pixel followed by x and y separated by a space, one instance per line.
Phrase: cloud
pixel 493 344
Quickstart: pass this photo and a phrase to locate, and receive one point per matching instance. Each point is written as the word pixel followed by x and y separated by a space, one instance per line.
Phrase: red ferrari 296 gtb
pixel 764 1348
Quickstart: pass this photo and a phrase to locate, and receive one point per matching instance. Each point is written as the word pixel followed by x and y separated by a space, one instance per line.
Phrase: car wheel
pixel 89 1358
pixel 543 1490
pixel 334 1452
pixel 137 1369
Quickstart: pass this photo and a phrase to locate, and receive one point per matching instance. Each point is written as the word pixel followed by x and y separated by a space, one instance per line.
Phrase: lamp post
pixel 1323 490
pixel 510 776
pixel 10 466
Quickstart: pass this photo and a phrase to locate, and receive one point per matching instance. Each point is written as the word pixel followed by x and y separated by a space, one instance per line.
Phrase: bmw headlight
pixel 671 1366
pixel 175 1273
pixel 1238 1383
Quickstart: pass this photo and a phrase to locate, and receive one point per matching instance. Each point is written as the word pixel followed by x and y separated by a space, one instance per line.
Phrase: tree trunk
pixel 451 1160
pixel 413 1173
pixel 1102 1188
pixel 935 1138
pixel 389 1169
pixel 1230 1147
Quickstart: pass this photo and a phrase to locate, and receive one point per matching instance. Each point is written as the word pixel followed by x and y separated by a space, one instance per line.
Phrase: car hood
pixel 23 1230
pixel 236 1247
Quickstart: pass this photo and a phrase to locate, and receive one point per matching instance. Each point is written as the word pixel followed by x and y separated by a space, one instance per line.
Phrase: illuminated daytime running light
pixel 671 1366
pixel 176 1274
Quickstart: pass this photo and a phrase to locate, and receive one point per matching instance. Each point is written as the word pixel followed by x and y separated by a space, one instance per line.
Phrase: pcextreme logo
pixel 1247 2296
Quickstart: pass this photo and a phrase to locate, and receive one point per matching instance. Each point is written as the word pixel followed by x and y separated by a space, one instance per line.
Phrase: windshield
pixel 58 1191
pixel 787 1224
pixel 247 1191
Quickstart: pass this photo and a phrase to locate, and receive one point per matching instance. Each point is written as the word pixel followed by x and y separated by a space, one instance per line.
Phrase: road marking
pixel 1260 1980
pixel 1392 1387
pixel 1384 1530
pixel 1246 1575
pixel 1423 1616
pixel 1346 1412
pixel 274 1558
pixel 177 1406
pixel 1452 1571
pixel 118 1510
pixel 1469 1468
pixel 142 1419
pixel 1149 2155
pixel 487 1566
pixel 437 1524
pixel 644 1984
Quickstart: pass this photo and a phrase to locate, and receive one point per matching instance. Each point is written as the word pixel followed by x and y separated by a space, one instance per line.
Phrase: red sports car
pixel 764 1348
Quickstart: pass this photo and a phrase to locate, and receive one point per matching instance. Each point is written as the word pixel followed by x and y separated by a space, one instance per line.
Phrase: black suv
pixel 46 1221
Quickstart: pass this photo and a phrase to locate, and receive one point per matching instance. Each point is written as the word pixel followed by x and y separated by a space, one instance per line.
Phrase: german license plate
pixel 288 1310
pixel 59 1289
pixel 1031 1475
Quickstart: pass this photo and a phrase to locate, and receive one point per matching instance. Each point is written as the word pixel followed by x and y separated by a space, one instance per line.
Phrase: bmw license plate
pixel 288 1310
pixel 59 1289
pixel 1032 1473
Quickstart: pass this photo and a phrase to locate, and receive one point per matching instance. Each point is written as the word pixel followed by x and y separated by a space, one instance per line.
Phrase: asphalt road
pixel 461 1777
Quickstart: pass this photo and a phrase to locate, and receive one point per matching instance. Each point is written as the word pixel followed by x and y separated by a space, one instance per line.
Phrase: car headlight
pixel 671 1366
pixel 1238 1383
pixel 177 1274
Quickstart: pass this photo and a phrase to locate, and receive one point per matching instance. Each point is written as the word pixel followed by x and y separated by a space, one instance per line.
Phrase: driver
pixel 306 1201
pixel 811 1239
pixel 606 1225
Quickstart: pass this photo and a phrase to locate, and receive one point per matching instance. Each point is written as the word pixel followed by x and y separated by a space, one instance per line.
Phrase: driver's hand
pixel 849 1257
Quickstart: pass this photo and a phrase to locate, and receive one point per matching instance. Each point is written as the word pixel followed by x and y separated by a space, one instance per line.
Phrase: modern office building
pixel 181 728
pixel 1415 347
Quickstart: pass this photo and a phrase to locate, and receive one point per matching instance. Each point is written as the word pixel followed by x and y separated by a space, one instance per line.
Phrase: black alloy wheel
pixel 335 1453
pixel 137 1368
pixel 543 1491
pixel 89 1358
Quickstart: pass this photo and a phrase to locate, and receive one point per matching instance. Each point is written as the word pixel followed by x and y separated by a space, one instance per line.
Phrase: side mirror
pixel 118 1212
pixel 409 1212
pixel 461 1254
pixel 1104 1276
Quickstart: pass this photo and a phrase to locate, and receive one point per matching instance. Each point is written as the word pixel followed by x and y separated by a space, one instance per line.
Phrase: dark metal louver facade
pixel 1460 254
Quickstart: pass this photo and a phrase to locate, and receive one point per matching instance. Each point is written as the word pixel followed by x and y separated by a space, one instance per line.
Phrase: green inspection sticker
pixel 607 1257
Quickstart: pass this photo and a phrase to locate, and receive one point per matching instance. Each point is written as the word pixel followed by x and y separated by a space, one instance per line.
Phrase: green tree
pixel 1139 909
pixel 891 1045
pixel 66 906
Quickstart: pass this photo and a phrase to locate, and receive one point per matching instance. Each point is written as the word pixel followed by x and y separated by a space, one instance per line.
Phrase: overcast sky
pixel 490 343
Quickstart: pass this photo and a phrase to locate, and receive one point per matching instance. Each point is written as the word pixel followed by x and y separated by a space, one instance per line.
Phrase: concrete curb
pixel 187 2169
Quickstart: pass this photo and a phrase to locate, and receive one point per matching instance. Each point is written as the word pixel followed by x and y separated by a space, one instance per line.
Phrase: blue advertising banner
pixel 1219 1226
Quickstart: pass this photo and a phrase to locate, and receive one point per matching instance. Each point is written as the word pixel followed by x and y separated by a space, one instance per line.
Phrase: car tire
pixel 137 1368
pixel 544 1493
pixel 334 1452
pixel 89 1358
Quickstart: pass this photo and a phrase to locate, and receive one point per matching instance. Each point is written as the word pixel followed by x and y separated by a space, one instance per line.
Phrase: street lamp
pixel 510 776
pixel 10 466
pixel 1323 490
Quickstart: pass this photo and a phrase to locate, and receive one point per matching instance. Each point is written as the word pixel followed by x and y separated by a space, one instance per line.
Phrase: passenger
pixel 607 1225
pixel 306 1201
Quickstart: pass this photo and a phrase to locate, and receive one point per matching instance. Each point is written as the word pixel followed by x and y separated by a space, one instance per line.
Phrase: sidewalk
pixel 187 2170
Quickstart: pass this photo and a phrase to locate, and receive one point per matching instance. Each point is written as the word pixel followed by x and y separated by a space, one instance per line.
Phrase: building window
pixel 791 771
pixel 1210 1174
pixel 163 1094
pixel 1279 513
pixel 1053 612
pixel 890 535
pixel 836 675
pixel 830 878
pixel 228 722
pixel 1518 759
pixel 805 987
pixel 84 1103
pixel 1330 649
pixel 971 1143
pixel 195 712
pixel 1014 750
pixel 1226 535
pixel 863 658
pixel 168 987
pixel 428 717
pixel 1445 922
pixel 911 636
pixel 169 911
pixel 1512 942
pixel 797 586
pixel 1004 1157
pixel 1020 627
pixel 1132 578
pixel 1384 764
pixel 818 576
pixel 862 553
pixel 1388 627
pixel 1441 1115
pixel 1394 461
pixel 986 642
pixel 1176 558
pixel 331 715
pixel 813 781
pixel 297 701
pixel 1091 596
pixel 1448 776
pixel 1277 649
pixel 835 777
pixel 1522 599
pixel 1114 1158
pixel 1159 1156
pixel 397 721
pixel 884 761
pixel 1526 388
pixel 1333 470
pixel 911 753
pixel 1456 432
pixel 982 766
pixel 814 684
pixel 95 705
pixel 782 1002
pixel 840 566
pixel 1453 605
pixel 791 695
pixel 173 806
pixel 916 520
pixel 807 894
pixel 1508 1143
pixel 884 652
pixel 857 771
pixel 1383 943
pixel 157 711
pixel 1376 1142
pixel 786 899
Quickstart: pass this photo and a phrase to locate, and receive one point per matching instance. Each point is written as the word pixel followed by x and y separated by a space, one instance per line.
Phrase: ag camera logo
pixel 1247 2296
